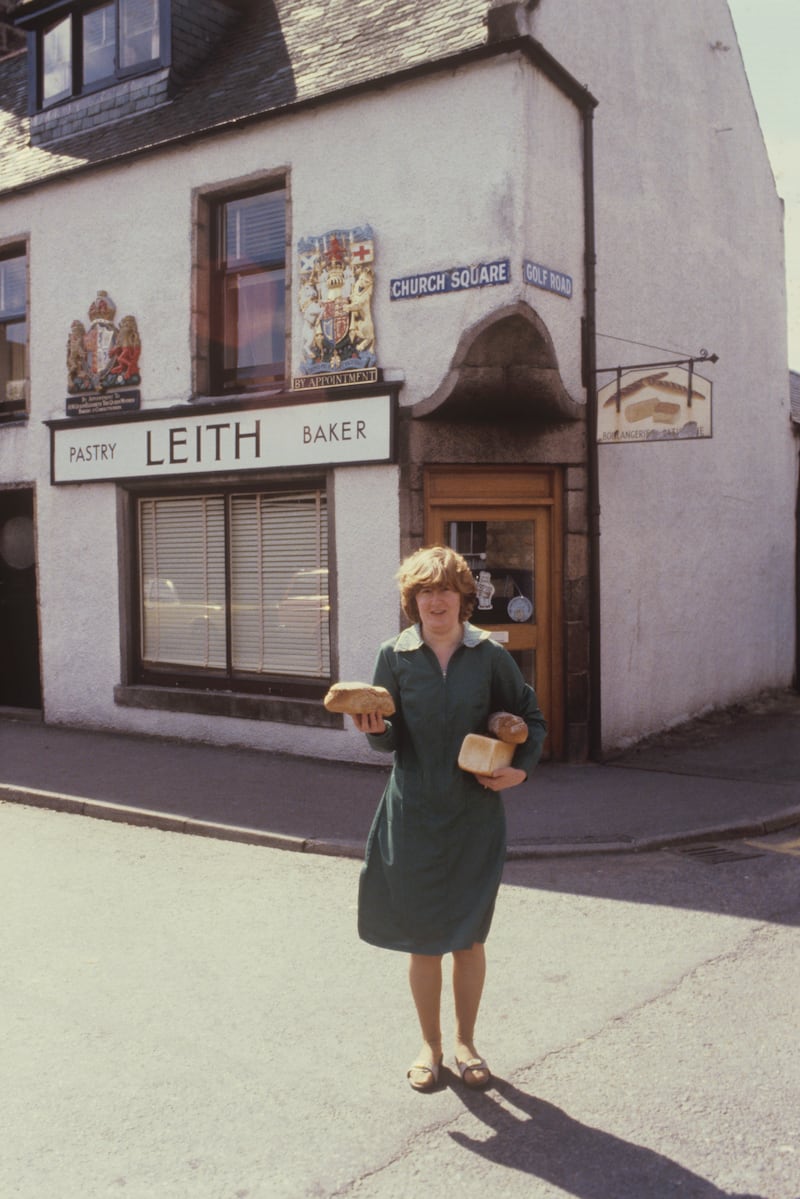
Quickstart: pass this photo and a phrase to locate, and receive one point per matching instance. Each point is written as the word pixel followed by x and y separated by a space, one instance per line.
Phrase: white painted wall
pixel 440 188
pixel 697 537
pixel 448 178
pixel 697 560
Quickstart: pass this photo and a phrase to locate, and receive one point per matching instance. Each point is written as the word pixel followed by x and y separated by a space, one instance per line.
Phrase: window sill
pixel 309 713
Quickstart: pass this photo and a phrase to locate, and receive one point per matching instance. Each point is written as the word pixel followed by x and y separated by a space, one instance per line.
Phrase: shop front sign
pixel 192 443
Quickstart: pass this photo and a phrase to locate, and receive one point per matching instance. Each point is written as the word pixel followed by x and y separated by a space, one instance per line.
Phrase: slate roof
pixel 280 53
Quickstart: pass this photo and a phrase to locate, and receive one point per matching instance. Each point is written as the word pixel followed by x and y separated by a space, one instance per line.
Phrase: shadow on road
pixel 748 881
pixel 540 1139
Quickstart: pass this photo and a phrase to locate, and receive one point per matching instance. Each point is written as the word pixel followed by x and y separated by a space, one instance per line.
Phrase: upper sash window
pixel 13 332
pixel 248 300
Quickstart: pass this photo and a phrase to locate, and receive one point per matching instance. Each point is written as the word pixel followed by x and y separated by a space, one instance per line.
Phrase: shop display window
pixel 500 554
pixel 233 589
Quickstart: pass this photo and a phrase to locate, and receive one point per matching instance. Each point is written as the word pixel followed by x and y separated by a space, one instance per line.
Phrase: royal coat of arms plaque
pixel 105 356
pixel 336 281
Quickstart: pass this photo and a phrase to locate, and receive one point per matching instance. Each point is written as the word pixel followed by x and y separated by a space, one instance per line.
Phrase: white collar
pixel 411 638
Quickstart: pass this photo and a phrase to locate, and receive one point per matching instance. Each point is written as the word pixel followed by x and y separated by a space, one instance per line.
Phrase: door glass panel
pixel 501 556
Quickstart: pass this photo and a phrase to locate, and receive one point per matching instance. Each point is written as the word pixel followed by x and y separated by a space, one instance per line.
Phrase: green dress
pixel 437 845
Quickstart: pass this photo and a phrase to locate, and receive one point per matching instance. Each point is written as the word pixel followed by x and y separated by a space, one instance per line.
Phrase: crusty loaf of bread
pixel 666 412
pixel 640 409
pixel 356 699
pixel 508 727
pixel 482 755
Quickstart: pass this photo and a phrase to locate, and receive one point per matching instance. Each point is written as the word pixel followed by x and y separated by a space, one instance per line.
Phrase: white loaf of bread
pixel 356 699
pixel 483 755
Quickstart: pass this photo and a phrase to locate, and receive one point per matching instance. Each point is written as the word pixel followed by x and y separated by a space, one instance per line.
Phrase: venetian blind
pixel 255 230
pixel 182 568
pixel 12 286
pixel 279 584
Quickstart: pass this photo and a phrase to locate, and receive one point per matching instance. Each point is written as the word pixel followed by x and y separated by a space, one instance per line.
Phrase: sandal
pixel 474 1064
pixel 427 1076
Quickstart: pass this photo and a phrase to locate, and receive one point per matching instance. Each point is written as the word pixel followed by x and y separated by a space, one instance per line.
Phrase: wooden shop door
pixel 507 524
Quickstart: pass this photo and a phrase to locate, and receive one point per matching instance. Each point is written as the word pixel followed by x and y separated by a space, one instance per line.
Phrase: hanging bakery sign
pixel 336 272
pixel 669 403
pixel 103 362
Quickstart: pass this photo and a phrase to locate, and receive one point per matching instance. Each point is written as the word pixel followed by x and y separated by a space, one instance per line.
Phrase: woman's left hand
pixel 502 778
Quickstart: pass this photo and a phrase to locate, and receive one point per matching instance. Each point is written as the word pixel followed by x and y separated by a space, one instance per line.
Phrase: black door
pixel 20 685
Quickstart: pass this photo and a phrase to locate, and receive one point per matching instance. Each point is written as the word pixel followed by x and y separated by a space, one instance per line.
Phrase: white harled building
pixel 289 290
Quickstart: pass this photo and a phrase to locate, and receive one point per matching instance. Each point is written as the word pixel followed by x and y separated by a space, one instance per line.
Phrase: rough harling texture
pixel 274 55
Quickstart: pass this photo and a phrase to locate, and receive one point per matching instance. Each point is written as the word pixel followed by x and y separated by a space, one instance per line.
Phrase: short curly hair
pixel 440 567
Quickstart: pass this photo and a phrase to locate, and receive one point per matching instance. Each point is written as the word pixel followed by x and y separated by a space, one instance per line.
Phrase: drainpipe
pixel 797 587
pixel 592 471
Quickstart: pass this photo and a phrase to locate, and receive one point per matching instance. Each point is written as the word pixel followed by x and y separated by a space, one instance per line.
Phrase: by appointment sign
pixel 324 434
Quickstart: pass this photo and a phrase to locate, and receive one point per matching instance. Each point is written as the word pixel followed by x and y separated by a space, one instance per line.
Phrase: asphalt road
pixel 191 1017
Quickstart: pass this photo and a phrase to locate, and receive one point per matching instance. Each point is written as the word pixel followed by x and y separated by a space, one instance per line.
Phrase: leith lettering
pixel 211 443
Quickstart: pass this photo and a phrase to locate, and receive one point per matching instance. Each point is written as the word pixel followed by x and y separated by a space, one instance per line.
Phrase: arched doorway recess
pixel 494 463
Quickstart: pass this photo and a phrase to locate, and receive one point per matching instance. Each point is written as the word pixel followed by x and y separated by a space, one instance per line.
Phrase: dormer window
pixel 99 44
pixel 82 47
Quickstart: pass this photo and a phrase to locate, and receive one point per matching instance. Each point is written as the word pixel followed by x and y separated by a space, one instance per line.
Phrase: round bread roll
pixel 509 728
pixel 356 699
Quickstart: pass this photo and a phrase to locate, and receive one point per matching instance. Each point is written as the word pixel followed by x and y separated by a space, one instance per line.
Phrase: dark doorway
pixel 20 683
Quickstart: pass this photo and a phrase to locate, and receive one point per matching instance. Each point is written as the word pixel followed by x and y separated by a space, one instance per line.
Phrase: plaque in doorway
pixel 505 596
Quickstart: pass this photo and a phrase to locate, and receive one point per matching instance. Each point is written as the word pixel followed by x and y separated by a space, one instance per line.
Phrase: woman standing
pixel 437 846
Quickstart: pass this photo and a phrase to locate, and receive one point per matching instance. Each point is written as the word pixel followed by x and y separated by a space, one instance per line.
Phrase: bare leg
pixel 425 977
pixel 469 973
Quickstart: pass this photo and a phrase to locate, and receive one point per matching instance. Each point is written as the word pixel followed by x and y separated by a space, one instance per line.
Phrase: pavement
pixel 732 773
